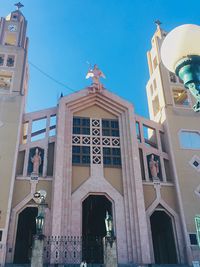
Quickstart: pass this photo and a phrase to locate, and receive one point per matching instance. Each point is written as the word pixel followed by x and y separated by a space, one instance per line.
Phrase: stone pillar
pixel 37 252
pixel 110 251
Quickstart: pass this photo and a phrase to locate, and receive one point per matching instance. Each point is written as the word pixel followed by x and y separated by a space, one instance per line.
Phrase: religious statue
pixel 95 74
pixel 36 160
pixel 154 167
pixel 83 264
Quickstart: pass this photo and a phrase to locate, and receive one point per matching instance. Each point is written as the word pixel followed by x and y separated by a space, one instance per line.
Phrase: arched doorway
pixel 94 209
pixel 26 228
pixel 163 238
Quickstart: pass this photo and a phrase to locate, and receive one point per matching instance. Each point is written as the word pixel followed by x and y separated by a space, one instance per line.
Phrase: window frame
pixel 110 128
pixel 81 154
pixel 112 156
pixel 81 127
pixel 181 105
pixel 189 131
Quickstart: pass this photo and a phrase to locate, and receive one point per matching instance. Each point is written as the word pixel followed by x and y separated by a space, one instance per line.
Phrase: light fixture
pixel 39 224
pixel 109 225
pixel 180 53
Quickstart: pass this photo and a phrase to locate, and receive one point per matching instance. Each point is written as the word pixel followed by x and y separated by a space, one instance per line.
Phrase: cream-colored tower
pixel 13 87
pixel 171 105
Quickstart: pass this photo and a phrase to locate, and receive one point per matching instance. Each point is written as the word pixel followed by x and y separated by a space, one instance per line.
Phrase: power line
pixel 51 78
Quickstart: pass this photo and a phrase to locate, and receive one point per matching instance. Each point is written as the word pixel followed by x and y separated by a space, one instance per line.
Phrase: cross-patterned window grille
pixel 81 125
pixel 81 155
pixel 110 127
pixel 111 156
pixel 96 141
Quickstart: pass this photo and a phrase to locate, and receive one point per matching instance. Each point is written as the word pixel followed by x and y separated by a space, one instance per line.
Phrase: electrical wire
pixel 51 78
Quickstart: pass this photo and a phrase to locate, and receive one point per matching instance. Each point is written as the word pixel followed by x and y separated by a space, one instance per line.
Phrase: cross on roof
pixel 158 22
pixel 19 5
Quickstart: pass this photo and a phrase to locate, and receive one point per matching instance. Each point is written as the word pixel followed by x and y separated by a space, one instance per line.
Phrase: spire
pixel 19 5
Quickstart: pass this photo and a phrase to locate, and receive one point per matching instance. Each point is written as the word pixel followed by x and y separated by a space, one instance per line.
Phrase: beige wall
pixel 188 176
pixel 21 189
pixel 10 115
pixel 96 113
pixel 149 195
pixel 114 177
pixel 79 175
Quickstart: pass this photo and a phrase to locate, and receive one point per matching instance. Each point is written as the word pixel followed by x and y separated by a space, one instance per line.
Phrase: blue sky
pixel 115 34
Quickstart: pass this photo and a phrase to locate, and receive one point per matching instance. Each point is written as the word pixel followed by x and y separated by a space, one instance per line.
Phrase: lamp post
pixel 109 241
pixel 109 225
pixel 180 53
pixel 37 252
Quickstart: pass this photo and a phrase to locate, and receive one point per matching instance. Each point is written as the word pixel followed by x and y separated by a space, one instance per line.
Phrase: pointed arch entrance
pixel 163 238
pixel 26 228
pixel 94 209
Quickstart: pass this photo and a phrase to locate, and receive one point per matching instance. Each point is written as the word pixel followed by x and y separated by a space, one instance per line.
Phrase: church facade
pixel 92 154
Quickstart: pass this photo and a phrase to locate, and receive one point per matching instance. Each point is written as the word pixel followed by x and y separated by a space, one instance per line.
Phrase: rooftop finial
pixel 19 5
pixel 158 23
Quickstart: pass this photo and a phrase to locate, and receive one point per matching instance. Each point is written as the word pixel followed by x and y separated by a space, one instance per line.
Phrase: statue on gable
pixel 154 167
pixel 36 160
pixel 95 74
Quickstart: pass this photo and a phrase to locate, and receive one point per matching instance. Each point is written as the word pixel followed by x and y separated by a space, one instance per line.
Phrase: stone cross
pixel 19 5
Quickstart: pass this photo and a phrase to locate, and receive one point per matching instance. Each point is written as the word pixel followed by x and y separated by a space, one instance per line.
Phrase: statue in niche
pixel 36 160
pixel 154 167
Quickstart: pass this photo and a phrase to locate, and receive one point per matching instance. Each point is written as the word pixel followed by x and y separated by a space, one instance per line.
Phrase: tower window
pixel 1 59
pixel 155 63
pixel 149 136
pixel 189 139
pixel 172 77
pixel 193 239
pixel 10 38
pixel 5 80
pixel 180 97
pixel 10 61
pixel 156 105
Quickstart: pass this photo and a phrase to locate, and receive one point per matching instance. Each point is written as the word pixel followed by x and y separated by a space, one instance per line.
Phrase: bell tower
pixel 13 90
pixel 170 104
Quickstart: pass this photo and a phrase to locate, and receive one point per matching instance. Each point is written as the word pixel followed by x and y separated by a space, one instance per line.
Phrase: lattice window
pixel 106 141
pixel 95 123
pixel 86 140
pixel 10 61
pixel 76 140
pixel 96 159
pixel 115 142
pixel 97 143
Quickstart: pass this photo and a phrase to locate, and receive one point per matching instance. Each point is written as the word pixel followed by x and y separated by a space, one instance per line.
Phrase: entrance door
pixel 163 238
pixel 26 228
pixel 94 209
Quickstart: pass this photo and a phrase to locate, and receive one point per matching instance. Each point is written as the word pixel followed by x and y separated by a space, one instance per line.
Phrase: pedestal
pixel 110 252
pixel 37 253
